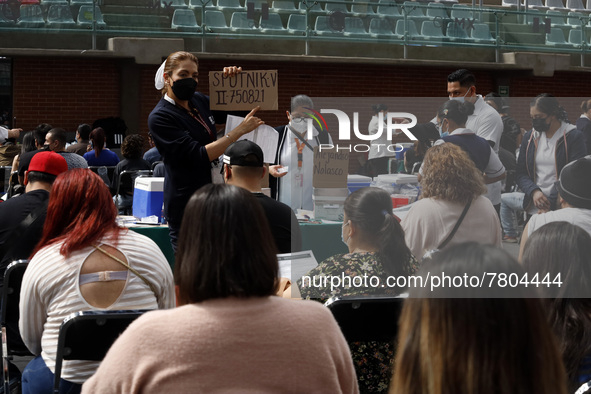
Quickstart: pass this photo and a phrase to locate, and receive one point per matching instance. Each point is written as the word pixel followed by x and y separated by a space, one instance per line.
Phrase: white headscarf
pixel 159 78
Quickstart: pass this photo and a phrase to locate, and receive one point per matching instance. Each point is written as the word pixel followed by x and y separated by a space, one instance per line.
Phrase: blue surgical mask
pixel 461 99
pixel 441 132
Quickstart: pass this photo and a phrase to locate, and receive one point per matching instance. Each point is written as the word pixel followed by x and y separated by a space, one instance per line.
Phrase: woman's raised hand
pixel 231 71
pixel 251 122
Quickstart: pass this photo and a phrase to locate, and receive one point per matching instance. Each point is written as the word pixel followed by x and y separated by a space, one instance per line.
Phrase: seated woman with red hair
pixel 83 262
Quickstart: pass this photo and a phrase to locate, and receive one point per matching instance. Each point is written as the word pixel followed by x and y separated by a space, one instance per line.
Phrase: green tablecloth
pixel 158 234
pixel 324 239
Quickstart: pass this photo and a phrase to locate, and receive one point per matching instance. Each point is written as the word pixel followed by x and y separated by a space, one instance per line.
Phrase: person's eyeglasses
pixel 299 120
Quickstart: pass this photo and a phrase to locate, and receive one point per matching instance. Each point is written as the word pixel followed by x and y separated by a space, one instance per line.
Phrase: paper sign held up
pixel 330 168
pixel 243 91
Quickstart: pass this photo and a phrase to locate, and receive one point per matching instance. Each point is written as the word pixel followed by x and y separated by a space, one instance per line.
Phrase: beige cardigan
pixel 256 345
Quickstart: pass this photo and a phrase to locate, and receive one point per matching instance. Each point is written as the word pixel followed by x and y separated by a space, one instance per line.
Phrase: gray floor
pixel 512 249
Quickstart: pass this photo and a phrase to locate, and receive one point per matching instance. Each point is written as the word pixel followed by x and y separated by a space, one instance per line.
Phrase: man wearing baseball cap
pixel 22 217
pixel 574 199
pixel 244 167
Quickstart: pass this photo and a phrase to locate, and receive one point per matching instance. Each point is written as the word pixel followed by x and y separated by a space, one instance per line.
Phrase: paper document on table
pixel 296 265
pixel 264 136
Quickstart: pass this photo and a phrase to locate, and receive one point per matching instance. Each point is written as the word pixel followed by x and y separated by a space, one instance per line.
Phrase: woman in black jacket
pixel 183 129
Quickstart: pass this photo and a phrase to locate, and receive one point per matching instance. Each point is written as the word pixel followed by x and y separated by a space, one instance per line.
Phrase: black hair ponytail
pixel 370 209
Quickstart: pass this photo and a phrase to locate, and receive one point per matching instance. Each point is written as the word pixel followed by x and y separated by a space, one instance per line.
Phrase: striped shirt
pixel 50 292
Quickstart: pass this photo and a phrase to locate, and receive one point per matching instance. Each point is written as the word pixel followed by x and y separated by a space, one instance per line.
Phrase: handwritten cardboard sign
pixel 243 91
pixel 330 168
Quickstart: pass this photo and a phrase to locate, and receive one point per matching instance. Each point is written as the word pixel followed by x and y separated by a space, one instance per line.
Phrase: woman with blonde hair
pixel 452 208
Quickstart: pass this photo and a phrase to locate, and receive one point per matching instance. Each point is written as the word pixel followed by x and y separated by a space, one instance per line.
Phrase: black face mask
pixel 184 88
pixel 540 124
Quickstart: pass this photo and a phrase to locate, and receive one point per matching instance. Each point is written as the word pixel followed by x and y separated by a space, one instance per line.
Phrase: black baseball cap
pixel 244 153
pixel 573 185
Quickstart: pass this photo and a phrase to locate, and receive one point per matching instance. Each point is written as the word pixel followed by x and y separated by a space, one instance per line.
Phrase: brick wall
pixel 64 92
pixel 67 91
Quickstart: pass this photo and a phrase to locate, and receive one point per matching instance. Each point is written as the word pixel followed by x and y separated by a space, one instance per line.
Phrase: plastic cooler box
pixel 356 182
pixel 329 203
pixel 148 196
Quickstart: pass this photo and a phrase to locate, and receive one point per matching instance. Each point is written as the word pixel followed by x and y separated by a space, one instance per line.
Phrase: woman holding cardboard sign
pixel 183 129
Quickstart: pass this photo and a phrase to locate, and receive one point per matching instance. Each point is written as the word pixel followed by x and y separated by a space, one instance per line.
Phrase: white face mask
pixel 300 127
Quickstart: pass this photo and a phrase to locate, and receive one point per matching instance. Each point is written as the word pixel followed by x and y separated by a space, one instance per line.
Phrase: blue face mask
pixel 441 132
pixel 461 99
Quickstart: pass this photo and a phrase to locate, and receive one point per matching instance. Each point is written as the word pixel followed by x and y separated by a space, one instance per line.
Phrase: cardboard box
pixel 148 196
pixel 329 203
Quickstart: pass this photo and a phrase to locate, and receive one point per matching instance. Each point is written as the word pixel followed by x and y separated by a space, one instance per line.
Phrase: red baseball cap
pixel 49 163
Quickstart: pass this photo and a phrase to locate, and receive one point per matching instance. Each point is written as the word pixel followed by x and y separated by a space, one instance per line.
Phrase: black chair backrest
pixel 367 318
pixel 155 164
pixel 13 182
pixel 100 171
pixel 127 180
pixel 4 178
pixel 89 335
pixel 13 277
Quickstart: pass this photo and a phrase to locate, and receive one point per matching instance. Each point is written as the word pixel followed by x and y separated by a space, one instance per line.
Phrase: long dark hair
pixel 224 248
pixel 28 142
pixel 569 305
pixel 98 137
pixel 370 209
pixel 459 340
pixel 548 104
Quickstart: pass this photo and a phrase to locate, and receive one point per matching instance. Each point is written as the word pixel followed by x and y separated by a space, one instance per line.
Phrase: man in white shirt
pixel 485 121
pixel 295 153
pixel 574 200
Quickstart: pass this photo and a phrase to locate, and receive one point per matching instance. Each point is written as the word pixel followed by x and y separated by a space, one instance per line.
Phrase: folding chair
pixel 12 343
pixel 155 164
pixel 89 335
pixel 127 178
pixel 367 318
pixel 13 183
pixel 105 172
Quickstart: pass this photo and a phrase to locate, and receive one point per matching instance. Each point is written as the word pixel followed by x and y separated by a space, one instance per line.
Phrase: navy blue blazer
pixel 181 141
